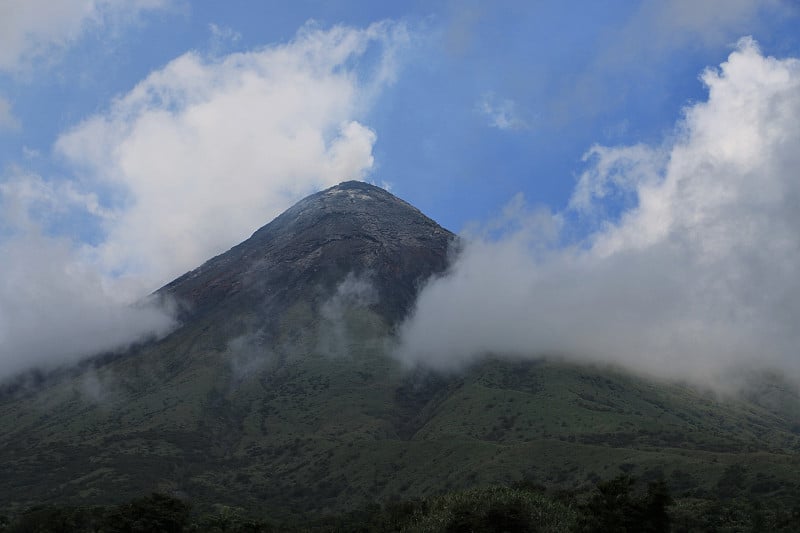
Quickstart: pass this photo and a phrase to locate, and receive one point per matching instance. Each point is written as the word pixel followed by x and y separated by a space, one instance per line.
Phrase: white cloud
pixel 30 30
pixel 54 306
pixel 208 150
pixel 502 113
pixel 698 276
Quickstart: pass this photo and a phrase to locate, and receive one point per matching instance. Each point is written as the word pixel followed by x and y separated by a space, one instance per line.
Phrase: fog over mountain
pixel 56 307
pixel 695 278
pixel 183 166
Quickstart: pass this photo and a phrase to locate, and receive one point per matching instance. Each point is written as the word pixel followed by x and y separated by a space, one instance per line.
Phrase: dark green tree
pixel 156 512
pixel 654 513
pixel 732 481
pixel 614 508
pixel 503 517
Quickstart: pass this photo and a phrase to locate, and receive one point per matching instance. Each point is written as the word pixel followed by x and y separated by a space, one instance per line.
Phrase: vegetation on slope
pixel 620 504
pixel 296 427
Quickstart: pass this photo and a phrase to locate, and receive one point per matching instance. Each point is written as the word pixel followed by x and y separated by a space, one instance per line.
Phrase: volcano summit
pixel 352 228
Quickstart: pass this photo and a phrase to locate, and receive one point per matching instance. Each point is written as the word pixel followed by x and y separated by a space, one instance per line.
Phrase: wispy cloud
pixel 222 37
pixel 662 25
pixel 7 119
pixel 353 293
pixel 644 48
pixel 32 30
pixel 696 278
pixel 615 173
pixel 502 113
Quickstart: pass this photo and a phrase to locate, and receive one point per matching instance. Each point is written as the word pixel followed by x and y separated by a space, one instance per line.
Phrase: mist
pixel 688 268
pixel 55 309
pixel 335 331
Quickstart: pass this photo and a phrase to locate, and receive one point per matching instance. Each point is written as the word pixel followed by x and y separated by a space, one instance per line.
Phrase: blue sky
pixel 573 74
pixel 138 138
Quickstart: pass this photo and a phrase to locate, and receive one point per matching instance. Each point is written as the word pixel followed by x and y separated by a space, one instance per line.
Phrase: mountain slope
pixel 278 393
pixel 353 228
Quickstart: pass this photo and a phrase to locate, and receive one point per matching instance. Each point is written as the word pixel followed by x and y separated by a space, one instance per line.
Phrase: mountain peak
pixel 355 194
pixel 351 228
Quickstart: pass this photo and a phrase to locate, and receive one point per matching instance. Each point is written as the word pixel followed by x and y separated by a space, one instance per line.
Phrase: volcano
pixel 278 392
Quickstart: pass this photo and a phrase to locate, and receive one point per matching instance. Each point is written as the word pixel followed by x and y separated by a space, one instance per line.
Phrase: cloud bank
pixel 691 268
pixel 190 162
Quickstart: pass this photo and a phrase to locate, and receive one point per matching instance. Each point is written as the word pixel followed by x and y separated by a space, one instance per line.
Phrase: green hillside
pixel 292 431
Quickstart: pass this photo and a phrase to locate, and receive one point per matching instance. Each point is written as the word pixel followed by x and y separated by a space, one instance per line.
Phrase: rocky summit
pixel 353 229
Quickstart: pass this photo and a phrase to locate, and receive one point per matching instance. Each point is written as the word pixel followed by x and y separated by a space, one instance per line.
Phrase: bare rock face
pixel 351 229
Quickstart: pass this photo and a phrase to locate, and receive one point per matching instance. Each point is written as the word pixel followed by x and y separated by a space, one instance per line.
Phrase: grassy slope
pixel 288 429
